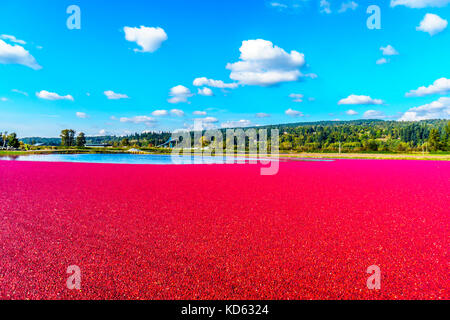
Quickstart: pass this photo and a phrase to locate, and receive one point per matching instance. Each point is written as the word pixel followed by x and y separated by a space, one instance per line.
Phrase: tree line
pixel 322 136
pixel 366 136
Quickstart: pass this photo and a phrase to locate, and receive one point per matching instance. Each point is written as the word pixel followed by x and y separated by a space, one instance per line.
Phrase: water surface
pixel 136 158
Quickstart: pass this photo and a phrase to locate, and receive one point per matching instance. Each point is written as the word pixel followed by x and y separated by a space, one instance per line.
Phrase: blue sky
pixel 273 62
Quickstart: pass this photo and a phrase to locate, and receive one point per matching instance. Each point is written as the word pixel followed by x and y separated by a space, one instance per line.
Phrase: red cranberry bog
pixel 224 231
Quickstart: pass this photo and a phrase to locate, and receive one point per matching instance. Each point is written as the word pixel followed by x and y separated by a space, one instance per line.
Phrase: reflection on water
pixel 133 158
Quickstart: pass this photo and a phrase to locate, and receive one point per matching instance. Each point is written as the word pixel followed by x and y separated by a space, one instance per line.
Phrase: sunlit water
pixel 133 158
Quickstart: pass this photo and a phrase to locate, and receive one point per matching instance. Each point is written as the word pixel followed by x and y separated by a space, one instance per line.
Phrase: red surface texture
pixel 225 231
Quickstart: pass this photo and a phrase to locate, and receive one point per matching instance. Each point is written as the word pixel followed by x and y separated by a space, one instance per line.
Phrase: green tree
pixel 371 145
pixel 125 142
pixel 67 137
pixel 81 140
pixel 4 137
pixel 13 141
pixel 434 140
pixel 447 136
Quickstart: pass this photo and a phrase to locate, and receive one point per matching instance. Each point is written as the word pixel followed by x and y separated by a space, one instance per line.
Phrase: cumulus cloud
pixel 205 82
pixel 374 114
pixel 439 109
pixel 351 112
pixel 149 121
pixel 15 54
pixel 81 115
pixel 12 39
pixel 262 115
pixel 148 38
pixel 432 24
pixel 44 94
pixel 205 92
pixel 359 99
pixel 159 113
pixel 440 86
pixel 264 64
pixel 419 3
pixel 293 113
pixel 111 95
pixel 179 94
pixel 382 61
pixel 296 97
pixel 389 51
pixel 199 113
pixel 177 112
pixel 349 5
pixel 236 124
pixel 325 7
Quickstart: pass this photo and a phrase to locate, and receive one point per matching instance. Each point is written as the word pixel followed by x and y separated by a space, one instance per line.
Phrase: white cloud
pixel 382 61
pixel 419 3
pixel 15 54
pixel 389 51
pixel 374 114
pixel 439 109
pixel 203 81
pixel 199 113
pixel 293 113
pixel 355 99
pixel 148 38
pixel 12 39
pixel 263 64
pixel 209 119
pixel 20 92
pixel 349 5
pixel 262 115
pixel 278 5
pixel 158 113
pixel 149 121
pixel 433 24
pixel 325 6
pixel 179 94
pixel 236 124
pixel 3 99
pixel 81 115
pixel 205 92
pixel 206 123
pixel 296 97
pixel 111 95
pixel 44 94
pixel 311 75
pixel 440 86
pixel 103 132
pixel 177 112
pixel 351 112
